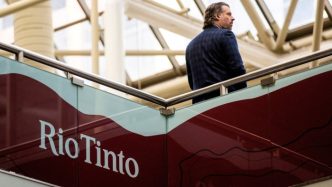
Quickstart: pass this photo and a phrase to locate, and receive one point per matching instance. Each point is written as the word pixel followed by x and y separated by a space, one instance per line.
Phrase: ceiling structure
pixel 160 31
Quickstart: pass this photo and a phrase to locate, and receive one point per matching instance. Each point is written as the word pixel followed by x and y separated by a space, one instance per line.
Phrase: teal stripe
pixel 132 116
pixel 60 85
pixel 249 93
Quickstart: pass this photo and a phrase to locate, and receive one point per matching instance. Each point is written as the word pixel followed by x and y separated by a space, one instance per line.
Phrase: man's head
pixel 218 14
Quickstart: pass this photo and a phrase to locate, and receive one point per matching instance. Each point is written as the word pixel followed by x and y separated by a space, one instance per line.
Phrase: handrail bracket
pixel 269 81
pixel 167 111
pixel 77 81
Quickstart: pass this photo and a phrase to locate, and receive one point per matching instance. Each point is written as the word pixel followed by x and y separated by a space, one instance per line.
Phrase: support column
pixel 95 37
pixel 34 31
pixel 284 30
pixel 318 28
pixel 318 25
pixel 114 48
pixel 264 36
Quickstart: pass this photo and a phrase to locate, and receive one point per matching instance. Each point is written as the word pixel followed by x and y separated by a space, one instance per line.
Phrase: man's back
pixel 212 57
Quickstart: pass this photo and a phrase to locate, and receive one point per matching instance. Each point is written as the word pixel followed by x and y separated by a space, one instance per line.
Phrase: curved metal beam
pixel 17 6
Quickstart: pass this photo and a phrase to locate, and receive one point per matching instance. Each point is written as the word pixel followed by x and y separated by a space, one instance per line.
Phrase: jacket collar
pixel 211 27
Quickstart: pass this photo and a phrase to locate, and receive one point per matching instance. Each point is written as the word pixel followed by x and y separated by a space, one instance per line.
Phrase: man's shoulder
pixel 223 32
pixel 217 33
pixel 212 35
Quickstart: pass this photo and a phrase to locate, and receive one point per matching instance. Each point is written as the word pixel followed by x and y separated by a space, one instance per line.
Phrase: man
pixel 213 56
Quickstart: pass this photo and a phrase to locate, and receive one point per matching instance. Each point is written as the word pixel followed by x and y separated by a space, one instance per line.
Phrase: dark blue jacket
pixel 213 56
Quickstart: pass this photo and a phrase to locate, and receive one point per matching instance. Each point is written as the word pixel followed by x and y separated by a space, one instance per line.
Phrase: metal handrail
pixel 89 76
pixel 20 52
pixel 250 76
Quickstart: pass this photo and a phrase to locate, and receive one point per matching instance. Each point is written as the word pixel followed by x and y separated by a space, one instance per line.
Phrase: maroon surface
pixel 278 139
pixel 25 101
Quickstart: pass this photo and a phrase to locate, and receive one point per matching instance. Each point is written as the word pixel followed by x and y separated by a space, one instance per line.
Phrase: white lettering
pixel 43 134
pixel 120 164
pixel 135 168
pixel 106 154
pixel 60 142
pixel 88 139
pixel 67 148
pixel 98 155
pixel 120 155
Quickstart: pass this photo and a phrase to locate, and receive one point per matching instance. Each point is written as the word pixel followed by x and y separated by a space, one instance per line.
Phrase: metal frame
pixel 284 30
pixel 328 9
pixel 306 30
pixel 17 6
pixel 74 22
pixel 87 12
pixel 266 38
pixel 165 46
pixel 155 99
pixel 201 6
pixel 318 25
pixel 268 16
pixel 278 43
pixel 181 12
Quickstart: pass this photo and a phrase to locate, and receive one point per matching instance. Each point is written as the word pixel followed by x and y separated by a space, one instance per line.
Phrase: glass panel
pixel 301 115
pixel 126 141
pixel 34 106
pixel 214 142
pixel 66 12
pixel 139 37
pixel 76 37
pixel 300 122
pixel 7 29
pixel 304 12
pixel 193 9
pixel 175 41
pixel 277 135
